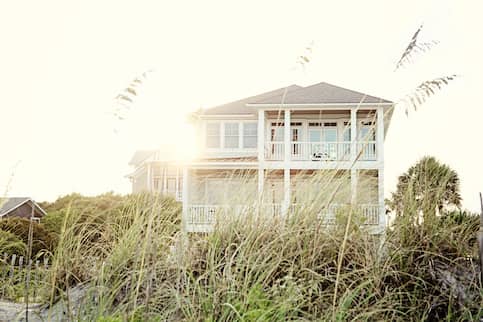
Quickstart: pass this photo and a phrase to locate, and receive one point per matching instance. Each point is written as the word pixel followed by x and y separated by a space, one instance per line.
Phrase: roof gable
pixel 141 155
pixel 239 107
pixel 10 204
pixel 323 93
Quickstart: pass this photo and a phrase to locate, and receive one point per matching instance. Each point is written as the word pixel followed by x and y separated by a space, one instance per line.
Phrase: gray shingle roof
pixel 321 93
pixel 11 203
pixel 239 107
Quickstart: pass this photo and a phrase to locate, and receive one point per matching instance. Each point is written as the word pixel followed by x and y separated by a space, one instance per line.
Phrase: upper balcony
pixel 313 138
pixel 321 151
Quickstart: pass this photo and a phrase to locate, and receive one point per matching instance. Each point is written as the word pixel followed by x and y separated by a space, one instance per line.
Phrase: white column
pixel 261 152
pixel 184 217
pixel 261 181
pixel 165 179
pixel 353 125
pixel 286 192
pixel 261 136
pixel 286 173
pixel 176 184
pixel 354 185
pixel 287 137
pixel 380 158
pixel 149 179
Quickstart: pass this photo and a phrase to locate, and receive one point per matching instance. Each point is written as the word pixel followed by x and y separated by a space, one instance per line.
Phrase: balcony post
pixel 287 158
pixel 165 180
pixel 261 152
pixel 380 158
pixel 261 136
pixel 261 179
pixel 185 198
pixel 286 137
pixel 380 135
pixel 176 185
pixel 353 125
pixel 354 180
pixel 286 192
pixel 149 180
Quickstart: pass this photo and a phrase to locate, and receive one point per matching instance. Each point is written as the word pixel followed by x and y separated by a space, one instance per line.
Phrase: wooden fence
pixel 13 276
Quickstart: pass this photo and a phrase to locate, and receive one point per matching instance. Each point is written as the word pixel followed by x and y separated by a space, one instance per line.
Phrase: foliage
pixel 259 268
pixel 11 244
pixel 428 187
pixel 43 241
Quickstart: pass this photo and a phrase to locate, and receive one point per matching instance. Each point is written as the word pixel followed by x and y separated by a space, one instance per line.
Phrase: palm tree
pixel 427 187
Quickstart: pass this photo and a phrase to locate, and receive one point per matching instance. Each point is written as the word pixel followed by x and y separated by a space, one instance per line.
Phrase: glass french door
pixel 296 138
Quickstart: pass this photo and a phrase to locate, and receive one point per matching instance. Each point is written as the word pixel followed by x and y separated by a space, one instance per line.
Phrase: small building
pixel 20 207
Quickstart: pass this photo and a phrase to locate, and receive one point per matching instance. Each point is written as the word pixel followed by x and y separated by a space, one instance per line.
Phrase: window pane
pixel 315 135
pixel 250 129
pixel 277 134
pixel 231 135
pixel 250 142
pixel 330 135
pixel 231 129
pixel 231 142
pixel 250 135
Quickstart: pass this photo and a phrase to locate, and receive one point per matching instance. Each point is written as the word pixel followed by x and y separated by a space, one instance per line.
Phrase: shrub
pixel 11 244
pixel 42 239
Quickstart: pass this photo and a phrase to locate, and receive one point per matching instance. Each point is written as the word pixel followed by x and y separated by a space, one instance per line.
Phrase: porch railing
pixel 366 151
pixel 203 217
pixel 320 151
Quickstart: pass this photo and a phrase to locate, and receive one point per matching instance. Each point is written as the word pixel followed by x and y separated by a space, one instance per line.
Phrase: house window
pixel 249 135
pixel 213 135
pixel 367 132
pixel 231 135
pixel 347 132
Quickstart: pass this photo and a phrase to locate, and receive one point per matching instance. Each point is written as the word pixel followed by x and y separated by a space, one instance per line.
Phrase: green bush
pixel 43 240
pixel 11 244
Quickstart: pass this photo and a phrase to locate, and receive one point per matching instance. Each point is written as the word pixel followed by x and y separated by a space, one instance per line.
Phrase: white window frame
pixel 242 144
pixel 220 135
pixel 237 135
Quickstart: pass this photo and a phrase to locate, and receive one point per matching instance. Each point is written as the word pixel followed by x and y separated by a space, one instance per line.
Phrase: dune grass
pixel 137 266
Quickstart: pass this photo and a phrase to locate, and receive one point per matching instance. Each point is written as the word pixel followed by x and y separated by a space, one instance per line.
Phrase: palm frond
pixel 424 91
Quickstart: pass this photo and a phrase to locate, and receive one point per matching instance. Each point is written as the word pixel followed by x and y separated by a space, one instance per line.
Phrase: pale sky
pixel 63 62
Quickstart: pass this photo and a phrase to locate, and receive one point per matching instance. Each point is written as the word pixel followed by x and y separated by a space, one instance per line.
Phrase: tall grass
pixel 135 267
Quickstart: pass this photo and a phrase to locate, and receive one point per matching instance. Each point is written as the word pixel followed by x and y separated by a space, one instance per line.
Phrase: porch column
pixel 353 125
pixel 288 155
pixel 261 152
pixel 286 192
pixel 261 180
pixel 354 180
pixel 176 184
pixel 165 180
pixel 149 179
pixel 380 158
pixel 261 136
pixel 184 218
pixel 286 137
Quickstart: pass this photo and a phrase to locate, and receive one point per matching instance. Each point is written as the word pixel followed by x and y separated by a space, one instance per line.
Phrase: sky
pixel 63 62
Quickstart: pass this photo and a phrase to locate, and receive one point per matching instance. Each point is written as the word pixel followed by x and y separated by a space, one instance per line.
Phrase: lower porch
pixel 213 196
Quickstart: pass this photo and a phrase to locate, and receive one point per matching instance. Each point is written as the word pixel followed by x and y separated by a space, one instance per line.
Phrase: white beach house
pixel 266 150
